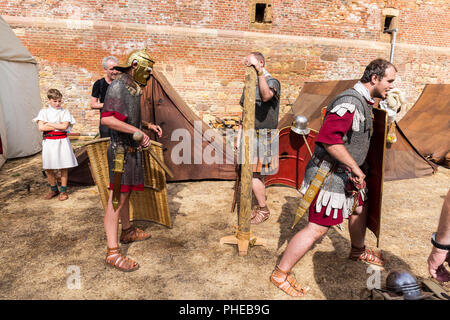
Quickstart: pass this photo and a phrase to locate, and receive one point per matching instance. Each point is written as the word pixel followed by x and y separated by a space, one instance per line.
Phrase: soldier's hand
pixel 358 178
pixel 142 138
pixel 156 128
pixel 252 61
pixel 145 141
pixel 435 265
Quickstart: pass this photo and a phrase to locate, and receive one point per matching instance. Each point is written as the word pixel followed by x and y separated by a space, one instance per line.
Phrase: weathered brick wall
pixel 199 45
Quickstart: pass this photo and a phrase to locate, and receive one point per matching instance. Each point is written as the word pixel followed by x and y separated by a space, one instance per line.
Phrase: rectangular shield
pixel 150 204
pixel 375 176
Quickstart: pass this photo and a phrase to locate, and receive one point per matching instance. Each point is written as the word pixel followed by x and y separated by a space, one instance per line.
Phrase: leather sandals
pixel 51 195
pixel 115 259
pixel 259 215
pixel 133 234
pixel 286 282
pixel 367 255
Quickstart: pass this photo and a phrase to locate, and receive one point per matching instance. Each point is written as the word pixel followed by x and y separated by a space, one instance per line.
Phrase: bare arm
pixel 59 126
pixel 95 103
pixel 264 90
pixel 116 124
pixel 438 256
pixel 443 231
pixel 49 126
pixel 43 126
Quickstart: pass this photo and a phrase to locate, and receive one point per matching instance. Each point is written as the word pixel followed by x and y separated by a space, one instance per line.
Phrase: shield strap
pixel 119 161
pixel 324 170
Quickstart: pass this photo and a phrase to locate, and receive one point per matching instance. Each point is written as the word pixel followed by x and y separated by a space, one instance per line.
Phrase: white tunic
pixel 57 153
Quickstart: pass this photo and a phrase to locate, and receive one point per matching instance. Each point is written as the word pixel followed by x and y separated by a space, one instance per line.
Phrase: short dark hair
pixel 54 94
pixel 377 67
pixel 259 56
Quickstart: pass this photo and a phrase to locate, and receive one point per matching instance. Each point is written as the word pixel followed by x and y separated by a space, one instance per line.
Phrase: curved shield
pixel 150 204
pixel 293 155
pixel 375 176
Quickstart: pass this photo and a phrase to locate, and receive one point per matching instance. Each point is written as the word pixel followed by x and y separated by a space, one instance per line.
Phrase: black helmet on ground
pixel 404 282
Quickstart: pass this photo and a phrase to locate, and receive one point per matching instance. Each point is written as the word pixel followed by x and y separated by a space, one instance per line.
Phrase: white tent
pixel 19 97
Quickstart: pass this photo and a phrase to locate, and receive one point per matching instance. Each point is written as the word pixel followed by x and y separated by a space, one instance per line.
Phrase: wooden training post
pixel 243 235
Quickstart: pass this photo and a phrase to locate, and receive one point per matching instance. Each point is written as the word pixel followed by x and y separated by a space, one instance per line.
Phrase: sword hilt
pixel 138 136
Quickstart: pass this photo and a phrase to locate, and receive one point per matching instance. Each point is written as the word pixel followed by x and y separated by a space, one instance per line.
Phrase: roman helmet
pixel 299 125
pixel 404 282
pixel 144 66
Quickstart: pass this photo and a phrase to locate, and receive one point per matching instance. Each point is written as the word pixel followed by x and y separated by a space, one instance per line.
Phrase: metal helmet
pixel 144 65
pixel 299 125
pixel 404 282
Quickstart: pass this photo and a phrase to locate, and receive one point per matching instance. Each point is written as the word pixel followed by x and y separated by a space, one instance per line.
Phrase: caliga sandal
pixel 63 196
pixel 367 255
pixel 259 215
pixel 288 284
pixel 115 259
pixel 133 234
pixel 51 194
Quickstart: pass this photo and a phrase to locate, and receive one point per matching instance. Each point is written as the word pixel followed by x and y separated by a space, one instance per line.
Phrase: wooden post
pixel 248 126
pixel 243 236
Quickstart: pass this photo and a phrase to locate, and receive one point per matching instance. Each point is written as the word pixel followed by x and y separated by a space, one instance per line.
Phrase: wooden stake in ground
pixel 243 235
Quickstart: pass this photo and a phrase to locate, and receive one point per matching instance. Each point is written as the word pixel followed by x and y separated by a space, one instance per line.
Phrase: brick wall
pixel 199 45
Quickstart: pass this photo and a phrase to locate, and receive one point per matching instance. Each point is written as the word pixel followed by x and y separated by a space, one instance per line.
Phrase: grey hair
pixel 105 61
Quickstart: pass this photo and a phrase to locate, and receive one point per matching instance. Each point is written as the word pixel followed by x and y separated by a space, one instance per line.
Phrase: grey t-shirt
pixel 266 113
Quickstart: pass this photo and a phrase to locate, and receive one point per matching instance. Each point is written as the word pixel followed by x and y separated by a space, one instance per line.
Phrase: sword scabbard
pixel 312 190
pixel 119 162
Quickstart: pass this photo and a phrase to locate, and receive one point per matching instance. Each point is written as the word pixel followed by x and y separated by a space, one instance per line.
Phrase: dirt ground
pixel 42 240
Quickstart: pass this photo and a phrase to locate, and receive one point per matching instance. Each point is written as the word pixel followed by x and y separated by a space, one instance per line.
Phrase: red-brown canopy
pixel 427 123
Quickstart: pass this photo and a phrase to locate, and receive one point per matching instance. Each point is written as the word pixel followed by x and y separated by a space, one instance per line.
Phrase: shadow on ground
pixel 353 277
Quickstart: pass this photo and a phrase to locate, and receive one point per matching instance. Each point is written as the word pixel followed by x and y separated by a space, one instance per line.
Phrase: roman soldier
pixel 334 186
pixel 122 114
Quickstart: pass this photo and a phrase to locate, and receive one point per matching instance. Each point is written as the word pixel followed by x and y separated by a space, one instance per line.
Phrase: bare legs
pixel 64 177
pixel 305 238
pixel 129 234
pixel 259 190
pixel 111 220
pixel 300 244
pixel 52 180
pixel 51 177
pixel 357 224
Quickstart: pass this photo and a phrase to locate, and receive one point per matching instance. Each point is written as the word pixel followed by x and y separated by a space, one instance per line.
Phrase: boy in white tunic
pixel 57 153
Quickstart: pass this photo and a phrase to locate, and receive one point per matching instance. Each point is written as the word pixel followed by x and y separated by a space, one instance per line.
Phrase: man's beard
pixel 378 94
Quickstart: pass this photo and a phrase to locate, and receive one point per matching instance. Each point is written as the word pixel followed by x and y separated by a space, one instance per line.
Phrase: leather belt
pixel 133 149
pixel 317 161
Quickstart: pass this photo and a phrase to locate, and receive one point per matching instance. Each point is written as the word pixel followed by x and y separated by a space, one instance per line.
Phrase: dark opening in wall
pixel 388 23
pixel 260 10
pixel 261 14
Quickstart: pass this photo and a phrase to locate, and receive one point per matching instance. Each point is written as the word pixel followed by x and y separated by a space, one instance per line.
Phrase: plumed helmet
pixel 404 282
pixel 144 65
pixel 299 125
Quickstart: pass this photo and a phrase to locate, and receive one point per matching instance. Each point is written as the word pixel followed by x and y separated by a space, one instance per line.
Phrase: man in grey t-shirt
pixel 267 105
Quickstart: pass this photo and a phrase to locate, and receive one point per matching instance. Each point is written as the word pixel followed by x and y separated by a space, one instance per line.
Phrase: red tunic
pixel 331 132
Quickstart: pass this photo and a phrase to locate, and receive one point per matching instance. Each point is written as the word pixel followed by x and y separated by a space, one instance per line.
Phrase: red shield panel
pixel 293 157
